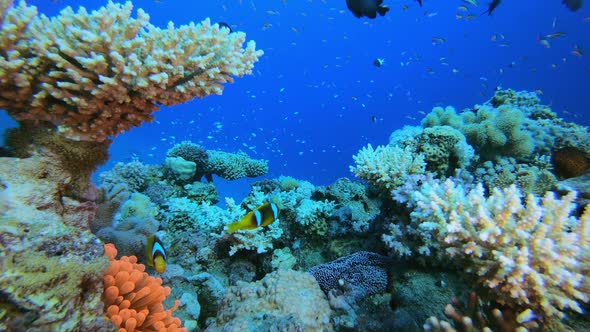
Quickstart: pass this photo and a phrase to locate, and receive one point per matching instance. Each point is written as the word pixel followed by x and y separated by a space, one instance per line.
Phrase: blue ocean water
pixel 310 103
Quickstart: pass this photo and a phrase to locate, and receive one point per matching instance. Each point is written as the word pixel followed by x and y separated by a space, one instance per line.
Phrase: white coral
pixel 387 166
pixel 535 254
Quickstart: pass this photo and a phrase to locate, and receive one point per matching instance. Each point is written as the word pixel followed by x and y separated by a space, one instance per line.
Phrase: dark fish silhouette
pixel 491 7
pixel 420 3
pixel 368 8
pixel 573 5
pixel 225 25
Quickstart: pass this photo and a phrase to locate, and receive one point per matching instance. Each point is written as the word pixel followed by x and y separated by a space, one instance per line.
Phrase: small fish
pixel 491 7
pixel 373 118
pixel 544 42
pixel 405 7
pixel 437 40
pixel 577 51
pixel 368 8
pixel 471 2
pixel 462 8
pixel 419 2
pixel 378 62
pixel 262 216
pixel 555 35
pixel 156 255
pixel 225 25
pixel 573 5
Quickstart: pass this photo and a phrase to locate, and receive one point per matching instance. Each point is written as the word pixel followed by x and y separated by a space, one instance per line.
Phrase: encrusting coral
pixel 95 75
pixel 133 299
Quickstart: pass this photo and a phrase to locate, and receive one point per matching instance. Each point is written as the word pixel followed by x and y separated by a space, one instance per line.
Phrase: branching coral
pixel 531 255
pixel 387 166
pixel 95 75
pixel 133 299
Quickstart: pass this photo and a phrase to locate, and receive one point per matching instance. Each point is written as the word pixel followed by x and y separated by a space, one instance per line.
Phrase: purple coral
pixel 363 273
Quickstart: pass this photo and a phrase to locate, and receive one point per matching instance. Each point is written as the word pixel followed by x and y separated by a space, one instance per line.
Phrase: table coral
pixel 133 299
pixel 95 75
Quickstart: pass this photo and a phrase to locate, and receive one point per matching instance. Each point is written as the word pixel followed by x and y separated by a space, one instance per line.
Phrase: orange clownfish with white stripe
pixel 156 255
pixel 261 216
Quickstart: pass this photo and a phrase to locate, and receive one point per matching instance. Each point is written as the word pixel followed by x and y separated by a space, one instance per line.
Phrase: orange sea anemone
pixel 133 299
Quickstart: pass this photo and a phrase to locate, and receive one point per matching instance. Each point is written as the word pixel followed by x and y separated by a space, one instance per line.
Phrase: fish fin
pixel 382 10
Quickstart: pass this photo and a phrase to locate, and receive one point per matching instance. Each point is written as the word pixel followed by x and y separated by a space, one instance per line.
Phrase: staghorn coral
pixel 528 255
pixel 95 75
pixel 133 299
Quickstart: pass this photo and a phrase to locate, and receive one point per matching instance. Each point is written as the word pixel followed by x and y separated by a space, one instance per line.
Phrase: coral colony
pixel 472 205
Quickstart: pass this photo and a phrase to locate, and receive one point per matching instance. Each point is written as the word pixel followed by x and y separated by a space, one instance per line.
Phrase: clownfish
pixel 156 255
pixel 261 216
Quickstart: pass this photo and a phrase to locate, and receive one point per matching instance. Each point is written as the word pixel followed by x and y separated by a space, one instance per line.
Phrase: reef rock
pixel 275 303
pixel 51 264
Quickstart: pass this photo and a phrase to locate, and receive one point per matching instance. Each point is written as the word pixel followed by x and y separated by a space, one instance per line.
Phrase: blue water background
pixel 308 106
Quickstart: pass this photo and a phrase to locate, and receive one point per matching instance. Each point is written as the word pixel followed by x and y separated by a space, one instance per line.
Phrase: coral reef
pixel 131 225
pixel 534 177
pixel 94 75
pixel 531 256
pixel 133 299
pixel 360 274
pixel 234 166
pixel 134 175
pixel 275 303
pixel 570 162
pixel 51 264
pixel 191 152
pixel 444 148
pixel 386 167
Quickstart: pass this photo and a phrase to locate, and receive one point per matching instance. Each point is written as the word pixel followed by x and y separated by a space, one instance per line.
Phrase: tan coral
pixel 95 75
